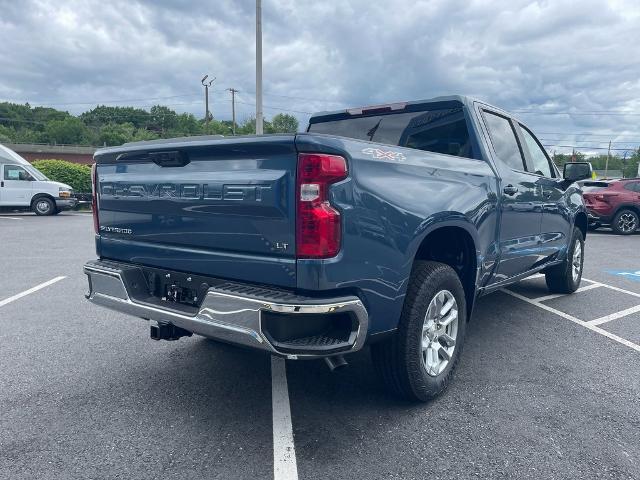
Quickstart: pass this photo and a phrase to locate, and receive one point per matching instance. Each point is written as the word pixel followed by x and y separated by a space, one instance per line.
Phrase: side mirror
pixel 575 171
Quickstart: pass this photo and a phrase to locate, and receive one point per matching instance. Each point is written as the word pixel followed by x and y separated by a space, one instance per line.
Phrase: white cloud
pixel 542 56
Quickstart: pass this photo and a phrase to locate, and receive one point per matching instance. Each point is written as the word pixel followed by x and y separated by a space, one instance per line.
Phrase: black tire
pixel 561 278
pixel 399 359
pixel 625 222
pixel 593 226
pixel 43 206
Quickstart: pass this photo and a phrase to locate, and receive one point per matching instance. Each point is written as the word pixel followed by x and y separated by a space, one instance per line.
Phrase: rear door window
pixel 503 139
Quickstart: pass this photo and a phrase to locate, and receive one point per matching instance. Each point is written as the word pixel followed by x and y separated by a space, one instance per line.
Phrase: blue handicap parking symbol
pixel 631 275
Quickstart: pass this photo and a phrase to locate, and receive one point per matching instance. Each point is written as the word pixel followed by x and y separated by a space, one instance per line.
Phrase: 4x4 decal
pixel 388 154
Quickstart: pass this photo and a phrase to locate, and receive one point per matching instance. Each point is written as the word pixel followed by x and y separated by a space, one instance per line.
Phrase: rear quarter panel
pixel 389 204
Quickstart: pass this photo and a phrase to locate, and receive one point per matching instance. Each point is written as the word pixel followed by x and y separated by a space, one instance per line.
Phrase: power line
pixel 272 107
pixel 97 102
pixel 587 148
pixel 602 112
pixel 588 141
pixel 589 134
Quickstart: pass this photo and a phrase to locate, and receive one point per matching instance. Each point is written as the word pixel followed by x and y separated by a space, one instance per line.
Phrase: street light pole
pixel 259 120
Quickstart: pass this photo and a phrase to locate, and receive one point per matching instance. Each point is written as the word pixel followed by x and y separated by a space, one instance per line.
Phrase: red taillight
pixel 318 228
pixel 94 198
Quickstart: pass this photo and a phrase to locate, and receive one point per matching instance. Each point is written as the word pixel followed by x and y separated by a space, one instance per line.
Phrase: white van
pixel 23 186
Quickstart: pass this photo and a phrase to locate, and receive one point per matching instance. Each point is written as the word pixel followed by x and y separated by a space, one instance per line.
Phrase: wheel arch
pixel 453 243
pixel 627 206
pixel 582 222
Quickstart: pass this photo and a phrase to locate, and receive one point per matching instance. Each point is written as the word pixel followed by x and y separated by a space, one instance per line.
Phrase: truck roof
pixel 464 99
pixel 9 156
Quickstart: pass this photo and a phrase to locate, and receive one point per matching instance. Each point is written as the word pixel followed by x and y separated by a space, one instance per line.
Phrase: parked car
pixel 378 226
pixel 613 203
pixel 22 186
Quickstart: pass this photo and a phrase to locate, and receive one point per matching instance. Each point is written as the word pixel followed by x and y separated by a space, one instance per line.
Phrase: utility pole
pixel 606 165
pixel 233 108
pixel 259 130
pixel 207 114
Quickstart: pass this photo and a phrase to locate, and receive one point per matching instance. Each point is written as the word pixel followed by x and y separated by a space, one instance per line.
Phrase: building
pixel 70 153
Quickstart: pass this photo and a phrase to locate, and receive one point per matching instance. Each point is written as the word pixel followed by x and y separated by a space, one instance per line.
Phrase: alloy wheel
pixel 439 332
pixel 627 222
pixel 576 262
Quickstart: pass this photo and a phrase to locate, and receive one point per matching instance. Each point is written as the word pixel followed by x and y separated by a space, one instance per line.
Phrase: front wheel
pixel 44 206
pixel 417 363
pixel 625 222
pixel 566 277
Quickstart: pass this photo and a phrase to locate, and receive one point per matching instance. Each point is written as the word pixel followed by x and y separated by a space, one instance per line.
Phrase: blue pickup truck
pixel 378 226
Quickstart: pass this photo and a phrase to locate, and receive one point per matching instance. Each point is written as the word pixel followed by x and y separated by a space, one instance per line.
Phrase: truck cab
pixel 22 186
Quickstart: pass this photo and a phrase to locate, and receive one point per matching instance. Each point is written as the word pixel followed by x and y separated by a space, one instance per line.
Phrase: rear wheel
pixel 566 277
pixel 418 362
pixel 43 206
pixel 625 222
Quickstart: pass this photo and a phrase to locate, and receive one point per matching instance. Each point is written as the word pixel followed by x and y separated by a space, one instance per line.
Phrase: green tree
pixel 143 134
pixel 187 124
pixel 68 131
pixel 284 123
pixel 103 115
pixel 631 165
pixel 162 119
pixel 116 134
pixel 7 134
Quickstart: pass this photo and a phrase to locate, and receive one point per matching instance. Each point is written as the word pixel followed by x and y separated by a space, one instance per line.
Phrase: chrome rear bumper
pixel 223 315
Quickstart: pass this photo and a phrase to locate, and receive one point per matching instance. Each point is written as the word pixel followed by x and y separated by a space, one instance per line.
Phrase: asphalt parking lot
pixel 548 386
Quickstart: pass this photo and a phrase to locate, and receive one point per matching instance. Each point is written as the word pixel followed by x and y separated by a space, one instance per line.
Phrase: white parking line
pixel 614 316
pixel 611 287
pixel 9 218
pixel 558 295
pixel 593 328
pixel 284 453
pixel 31 290
pixel 543 306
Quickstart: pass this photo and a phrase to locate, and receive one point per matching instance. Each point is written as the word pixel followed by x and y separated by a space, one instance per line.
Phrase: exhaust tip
pixel 336 362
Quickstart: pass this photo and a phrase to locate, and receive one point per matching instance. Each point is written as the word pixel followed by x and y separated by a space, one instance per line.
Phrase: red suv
pixel 615 203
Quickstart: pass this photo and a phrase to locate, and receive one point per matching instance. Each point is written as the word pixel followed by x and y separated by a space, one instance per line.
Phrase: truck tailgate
pixel 218 207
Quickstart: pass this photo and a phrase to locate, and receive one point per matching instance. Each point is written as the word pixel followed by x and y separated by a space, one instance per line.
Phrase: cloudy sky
pixel 566 67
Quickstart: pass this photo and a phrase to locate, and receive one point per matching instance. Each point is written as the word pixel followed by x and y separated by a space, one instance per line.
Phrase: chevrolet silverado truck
pixel 378 226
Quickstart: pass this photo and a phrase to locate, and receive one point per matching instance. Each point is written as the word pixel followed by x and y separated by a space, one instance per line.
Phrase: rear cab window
pixel 434 127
